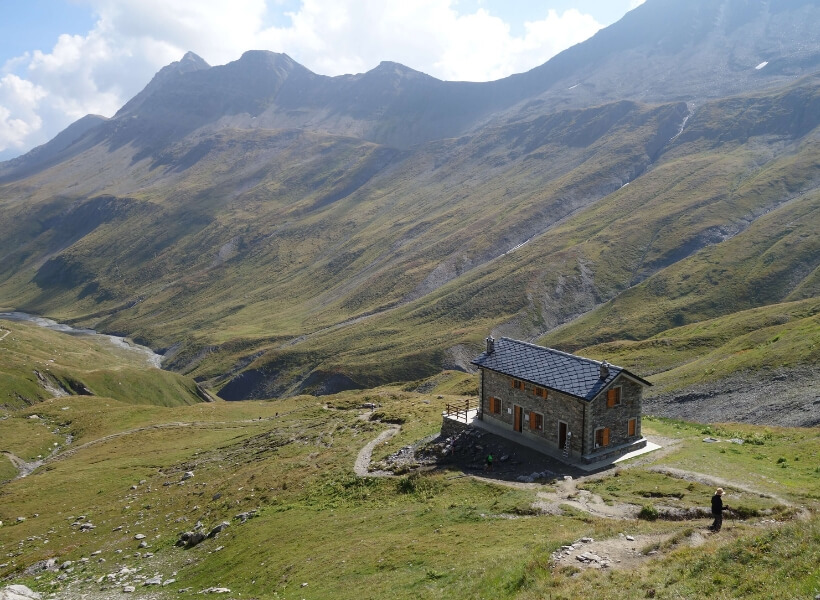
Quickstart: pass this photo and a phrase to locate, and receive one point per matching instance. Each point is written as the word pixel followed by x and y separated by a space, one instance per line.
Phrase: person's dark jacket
pixel 717 504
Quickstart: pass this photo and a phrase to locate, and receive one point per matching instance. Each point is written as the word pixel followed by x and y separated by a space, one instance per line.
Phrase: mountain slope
pixel 251 221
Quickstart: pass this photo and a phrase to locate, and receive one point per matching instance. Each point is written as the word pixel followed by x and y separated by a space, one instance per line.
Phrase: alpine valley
pixel 650 196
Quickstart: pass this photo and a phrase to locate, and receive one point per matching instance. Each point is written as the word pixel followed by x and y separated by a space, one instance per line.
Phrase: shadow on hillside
pixel 511 462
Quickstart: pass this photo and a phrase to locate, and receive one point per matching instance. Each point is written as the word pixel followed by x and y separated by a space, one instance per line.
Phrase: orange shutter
pixel 533 424
pixel 610 398
pixel 605 436
pixel 631 426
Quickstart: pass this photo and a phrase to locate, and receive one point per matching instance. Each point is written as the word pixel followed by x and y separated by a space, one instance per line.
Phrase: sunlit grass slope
pixel 37 362
pixel 429 535
pixel 303 256
pixel 779 335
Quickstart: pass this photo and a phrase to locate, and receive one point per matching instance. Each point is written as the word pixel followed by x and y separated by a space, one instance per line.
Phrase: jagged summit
pixel 664 50
pixel 189 63
pixel 192 62
pixel 388 67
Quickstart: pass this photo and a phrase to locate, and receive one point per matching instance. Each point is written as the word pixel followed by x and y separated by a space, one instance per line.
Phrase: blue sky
pixel 62 59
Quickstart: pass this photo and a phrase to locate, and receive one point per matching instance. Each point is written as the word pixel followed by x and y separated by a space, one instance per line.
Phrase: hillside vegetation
pixel 281 474
pixel 38 364
pixel 279 262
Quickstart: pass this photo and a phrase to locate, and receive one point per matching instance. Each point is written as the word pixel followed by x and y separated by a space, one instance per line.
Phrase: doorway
pixel 519 414
pixel 562 434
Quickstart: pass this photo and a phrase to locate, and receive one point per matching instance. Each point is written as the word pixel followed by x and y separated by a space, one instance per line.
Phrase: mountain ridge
pixel 604 68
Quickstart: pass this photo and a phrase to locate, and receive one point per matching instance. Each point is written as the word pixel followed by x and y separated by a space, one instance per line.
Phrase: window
pixel 536 421
pixel 541 392
pixel 632 427
pixel 613 397
pixel 495 405
pixel 518 384
pixel 602 437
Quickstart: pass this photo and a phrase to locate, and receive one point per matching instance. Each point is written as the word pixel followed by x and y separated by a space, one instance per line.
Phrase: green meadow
pixel 433 534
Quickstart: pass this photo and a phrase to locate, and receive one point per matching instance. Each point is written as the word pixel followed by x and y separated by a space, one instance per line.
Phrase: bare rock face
pixel 18 592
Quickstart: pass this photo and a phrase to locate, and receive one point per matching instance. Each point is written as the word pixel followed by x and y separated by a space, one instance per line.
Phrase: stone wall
pixel 615 417
pixel 557 407
pixel 568 409
pixel 451 427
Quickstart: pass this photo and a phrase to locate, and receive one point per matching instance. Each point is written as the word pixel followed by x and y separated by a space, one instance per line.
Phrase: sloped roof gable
pixel 549 368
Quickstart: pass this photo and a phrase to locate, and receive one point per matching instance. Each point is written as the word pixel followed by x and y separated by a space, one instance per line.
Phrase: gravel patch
pixel 783 397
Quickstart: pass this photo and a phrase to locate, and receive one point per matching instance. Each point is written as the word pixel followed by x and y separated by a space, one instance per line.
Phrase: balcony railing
pixel 460 411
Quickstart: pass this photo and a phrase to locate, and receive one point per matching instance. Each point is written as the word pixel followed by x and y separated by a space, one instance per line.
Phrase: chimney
pixel 490 344
pixel 604 370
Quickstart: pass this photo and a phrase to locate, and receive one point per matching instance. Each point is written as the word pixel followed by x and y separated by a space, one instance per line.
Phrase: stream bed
pixel 152 358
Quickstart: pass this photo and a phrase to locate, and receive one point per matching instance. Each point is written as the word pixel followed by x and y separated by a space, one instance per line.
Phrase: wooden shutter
pixel 613 397
pixel 533 422
pixel 631 427
pixel 605 437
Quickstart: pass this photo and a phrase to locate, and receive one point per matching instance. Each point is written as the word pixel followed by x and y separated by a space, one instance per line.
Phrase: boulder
pixel 189 539
pixel 18 592
pixel 218 529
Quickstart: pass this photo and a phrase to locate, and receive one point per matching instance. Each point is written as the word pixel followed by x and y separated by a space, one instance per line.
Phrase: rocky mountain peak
pixel 189 63
pixel 394 69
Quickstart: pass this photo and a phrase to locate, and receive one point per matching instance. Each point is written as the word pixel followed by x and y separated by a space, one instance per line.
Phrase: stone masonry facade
pixel 583 418
pixel 615 418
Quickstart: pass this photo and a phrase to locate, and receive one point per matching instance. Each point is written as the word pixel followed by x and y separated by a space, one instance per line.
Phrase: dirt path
pixel 714 482
pixel 6 332
pixel 622 552
pixel 362 465
pixel 567 493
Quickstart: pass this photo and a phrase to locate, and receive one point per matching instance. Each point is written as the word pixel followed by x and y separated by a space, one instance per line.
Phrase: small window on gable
pixel 536 421
pixel 495 405
pixel 602 437
pixel 540 392
pixel 613 397
pixel 632 427
pixel 518 384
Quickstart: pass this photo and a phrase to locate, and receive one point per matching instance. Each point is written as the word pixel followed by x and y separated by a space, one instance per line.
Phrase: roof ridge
pixel 567 354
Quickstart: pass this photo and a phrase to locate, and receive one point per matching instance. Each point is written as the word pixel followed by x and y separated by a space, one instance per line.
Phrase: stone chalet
pixel 574 408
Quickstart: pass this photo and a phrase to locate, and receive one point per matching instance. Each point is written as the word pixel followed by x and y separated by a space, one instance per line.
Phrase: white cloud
pixel 19 102
pixel 132 39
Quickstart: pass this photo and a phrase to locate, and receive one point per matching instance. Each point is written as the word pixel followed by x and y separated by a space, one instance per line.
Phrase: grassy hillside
pixel 779 335
pixel 39 363
pixel 282 262
pixel 429 535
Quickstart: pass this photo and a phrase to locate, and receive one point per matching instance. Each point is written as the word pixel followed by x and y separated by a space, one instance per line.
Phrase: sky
pixel 63 59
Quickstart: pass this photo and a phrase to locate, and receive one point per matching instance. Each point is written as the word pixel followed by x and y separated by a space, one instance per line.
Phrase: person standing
pixel 717 510
pixel 489 465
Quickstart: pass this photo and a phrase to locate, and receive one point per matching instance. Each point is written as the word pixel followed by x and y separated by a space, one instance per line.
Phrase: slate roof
pixel 552 369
